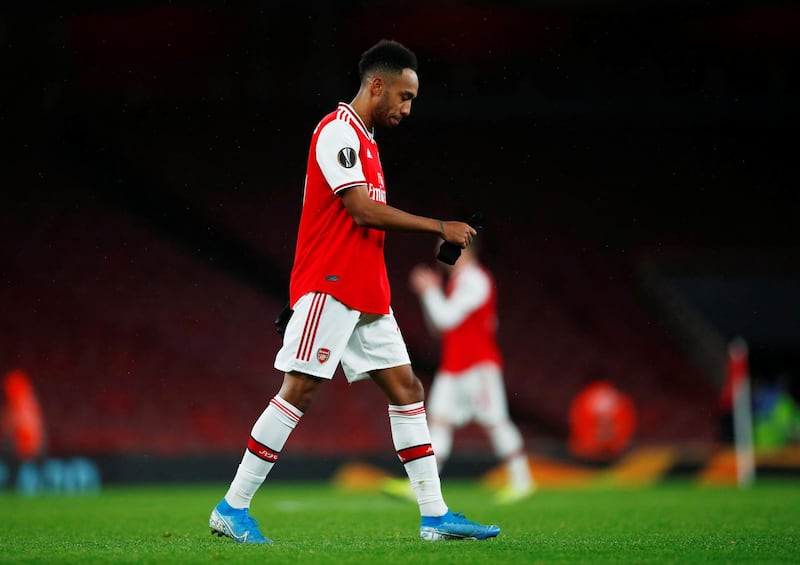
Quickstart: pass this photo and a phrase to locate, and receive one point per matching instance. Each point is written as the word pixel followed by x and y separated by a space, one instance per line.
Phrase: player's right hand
pixel 458 233
pixel 422 278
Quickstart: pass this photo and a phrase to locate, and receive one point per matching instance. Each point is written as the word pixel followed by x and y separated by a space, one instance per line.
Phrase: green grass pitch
pixel 673 522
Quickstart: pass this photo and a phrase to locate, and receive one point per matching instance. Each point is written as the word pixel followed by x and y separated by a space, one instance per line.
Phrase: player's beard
pixel 383 111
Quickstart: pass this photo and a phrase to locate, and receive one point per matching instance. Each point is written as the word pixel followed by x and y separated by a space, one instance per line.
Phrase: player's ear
pixel 377 85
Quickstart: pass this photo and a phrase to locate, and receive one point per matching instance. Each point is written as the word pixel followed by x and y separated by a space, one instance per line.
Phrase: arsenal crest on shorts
pixel 322 354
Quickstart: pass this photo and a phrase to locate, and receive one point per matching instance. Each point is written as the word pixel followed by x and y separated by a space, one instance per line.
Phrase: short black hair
pixel 386 55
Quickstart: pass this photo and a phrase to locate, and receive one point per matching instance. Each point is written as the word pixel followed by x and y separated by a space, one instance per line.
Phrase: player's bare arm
pixel 367 212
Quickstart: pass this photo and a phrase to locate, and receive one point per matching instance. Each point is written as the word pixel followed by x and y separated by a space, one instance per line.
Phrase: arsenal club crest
pixel 322 354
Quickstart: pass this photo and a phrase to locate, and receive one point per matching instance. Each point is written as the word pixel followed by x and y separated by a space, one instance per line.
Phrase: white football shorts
pixel 475 395
pixel 323 332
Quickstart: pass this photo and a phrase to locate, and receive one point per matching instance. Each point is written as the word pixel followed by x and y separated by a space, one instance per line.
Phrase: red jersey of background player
pixel 473 340
pixel 334 255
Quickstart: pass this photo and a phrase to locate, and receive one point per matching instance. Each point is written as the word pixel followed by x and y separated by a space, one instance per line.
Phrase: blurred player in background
pixel 339 292
pixel 468 386
pixel 21 418
pixel 22 425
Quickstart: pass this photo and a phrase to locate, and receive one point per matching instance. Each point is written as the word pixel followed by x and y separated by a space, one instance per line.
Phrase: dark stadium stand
pixel 130 341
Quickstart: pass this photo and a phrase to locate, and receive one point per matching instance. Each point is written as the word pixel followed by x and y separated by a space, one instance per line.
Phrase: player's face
pixel 395 100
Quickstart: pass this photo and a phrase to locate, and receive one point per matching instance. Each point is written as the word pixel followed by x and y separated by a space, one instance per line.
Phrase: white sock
pixel 267 438
pixel 519 473
pixel 442 441
pixel 412 441
pixel 508 446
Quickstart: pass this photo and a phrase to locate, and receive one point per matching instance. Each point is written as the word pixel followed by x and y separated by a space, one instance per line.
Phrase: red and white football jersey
pixel 334 255
pixel 466 315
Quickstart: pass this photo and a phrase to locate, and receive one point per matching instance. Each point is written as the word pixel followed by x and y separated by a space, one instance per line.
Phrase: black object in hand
pixel 283 319
pixel 449 252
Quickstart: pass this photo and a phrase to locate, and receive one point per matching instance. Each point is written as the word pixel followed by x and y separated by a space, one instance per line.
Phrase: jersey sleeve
pixel 337 155
pixel 446 312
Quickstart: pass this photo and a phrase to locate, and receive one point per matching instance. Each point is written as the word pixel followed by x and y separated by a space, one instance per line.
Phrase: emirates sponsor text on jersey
pixel 377 193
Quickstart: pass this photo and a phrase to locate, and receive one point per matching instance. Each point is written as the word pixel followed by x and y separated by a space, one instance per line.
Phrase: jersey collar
pixel 357 120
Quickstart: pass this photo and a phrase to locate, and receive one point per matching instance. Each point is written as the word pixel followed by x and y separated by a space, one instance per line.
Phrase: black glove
pixel 283 319
pixel 449 252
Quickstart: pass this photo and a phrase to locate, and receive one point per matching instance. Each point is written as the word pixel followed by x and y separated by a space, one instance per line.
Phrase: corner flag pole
pixel 739 377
